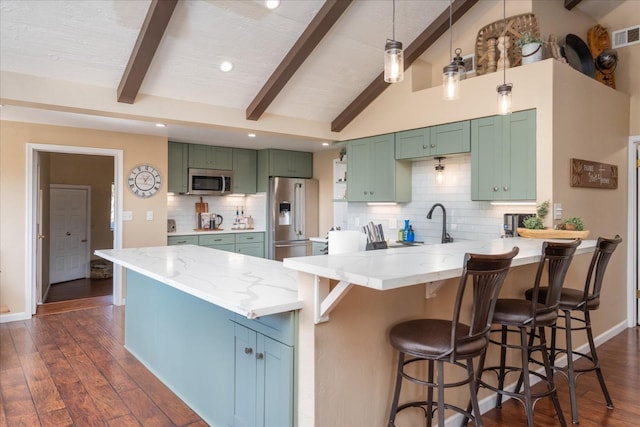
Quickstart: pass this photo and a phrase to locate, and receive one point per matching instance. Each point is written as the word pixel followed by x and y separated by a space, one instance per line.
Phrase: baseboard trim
pixel 14 317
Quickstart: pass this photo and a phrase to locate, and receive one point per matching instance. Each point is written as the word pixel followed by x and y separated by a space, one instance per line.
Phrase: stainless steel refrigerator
pixel 293 216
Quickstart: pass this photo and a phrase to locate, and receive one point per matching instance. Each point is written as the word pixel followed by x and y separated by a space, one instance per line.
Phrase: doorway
pixel 633 271
pixel 38 260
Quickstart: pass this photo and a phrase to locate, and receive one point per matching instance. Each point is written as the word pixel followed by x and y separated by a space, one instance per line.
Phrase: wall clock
pixel 144 181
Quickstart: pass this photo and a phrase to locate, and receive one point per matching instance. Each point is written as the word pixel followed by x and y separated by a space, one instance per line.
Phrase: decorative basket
pixel 548 233
pixel 515 27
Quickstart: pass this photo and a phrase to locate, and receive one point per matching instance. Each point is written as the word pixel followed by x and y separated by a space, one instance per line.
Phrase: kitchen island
pixel 327 315
pixel 218 328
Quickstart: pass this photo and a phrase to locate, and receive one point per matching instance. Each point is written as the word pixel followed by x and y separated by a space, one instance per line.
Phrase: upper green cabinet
pixel 244 170
pixel 177 180
pixel 374 175
pixel 284 163
pixel 452 138
pixel 503 157
pixel 292 164
pixel 210 157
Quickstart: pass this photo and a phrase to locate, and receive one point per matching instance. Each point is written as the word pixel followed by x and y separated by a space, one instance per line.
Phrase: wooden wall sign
pixel 593 174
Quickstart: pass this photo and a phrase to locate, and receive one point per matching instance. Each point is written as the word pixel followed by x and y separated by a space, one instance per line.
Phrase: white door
pixel 68 228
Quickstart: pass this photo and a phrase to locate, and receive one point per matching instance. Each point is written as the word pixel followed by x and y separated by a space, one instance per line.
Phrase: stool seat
pixel 432 338
pixel 512 311
pixel 570 299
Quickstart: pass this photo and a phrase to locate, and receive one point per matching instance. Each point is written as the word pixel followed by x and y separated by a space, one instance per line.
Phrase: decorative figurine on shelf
pixel 555 49
pixel 491 55
pixel 504 43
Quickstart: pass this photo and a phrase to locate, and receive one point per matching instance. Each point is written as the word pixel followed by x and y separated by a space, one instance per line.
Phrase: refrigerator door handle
pixel 296 208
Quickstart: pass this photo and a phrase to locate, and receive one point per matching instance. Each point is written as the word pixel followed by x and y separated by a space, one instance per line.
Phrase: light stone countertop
pixel 246 285
pixel 386 269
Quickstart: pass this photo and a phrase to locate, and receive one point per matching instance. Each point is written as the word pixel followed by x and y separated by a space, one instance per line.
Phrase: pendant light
pixel 393 56
pixel 451 73
pixel 504 90
pixel 439 170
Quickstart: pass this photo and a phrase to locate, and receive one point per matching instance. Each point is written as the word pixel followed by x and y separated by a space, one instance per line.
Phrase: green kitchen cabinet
pixel 263 392
pixel 451 138
pixel 503 157
pixel 250 244
pixel 223 242
pixel 182 240
pixel 318 248
pixel 210 157
pixel 374 174
pixel 244 170
pixel 284 163
pixel 177 176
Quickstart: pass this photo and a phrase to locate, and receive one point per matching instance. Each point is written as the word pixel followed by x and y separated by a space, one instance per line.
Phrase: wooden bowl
pixel 548 233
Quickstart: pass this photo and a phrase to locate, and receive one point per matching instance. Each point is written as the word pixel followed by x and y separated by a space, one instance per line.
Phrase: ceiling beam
pixel 328 14
pixel 153 28
pixel 570 4
pixel 429 36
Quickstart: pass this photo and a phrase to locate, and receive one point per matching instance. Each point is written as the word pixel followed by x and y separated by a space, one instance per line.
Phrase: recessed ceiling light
pixel 226 66
pixel 272 4
pixel 251 135
pixel 161 125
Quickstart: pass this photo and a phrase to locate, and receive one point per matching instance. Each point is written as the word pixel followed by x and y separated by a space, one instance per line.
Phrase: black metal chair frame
pixel 590 301
pixel 487 273
pixel 556 257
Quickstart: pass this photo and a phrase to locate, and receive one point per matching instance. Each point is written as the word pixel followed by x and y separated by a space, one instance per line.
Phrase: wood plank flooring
pixel 81 288
pixel 72 369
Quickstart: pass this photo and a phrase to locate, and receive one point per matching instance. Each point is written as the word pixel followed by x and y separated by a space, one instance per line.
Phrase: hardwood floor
pixel 81 288
pixel 72 369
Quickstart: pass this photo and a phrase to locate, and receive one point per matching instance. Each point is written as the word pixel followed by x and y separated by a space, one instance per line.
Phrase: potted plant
pixel 536 222
pixel 531 47
pixel 572 223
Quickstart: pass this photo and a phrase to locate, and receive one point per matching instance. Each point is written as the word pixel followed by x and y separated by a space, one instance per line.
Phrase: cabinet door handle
pixel 424 147
pixel 259 356
pixel 505 188
pixel 433 145
pixel 248 350
pixel 495 188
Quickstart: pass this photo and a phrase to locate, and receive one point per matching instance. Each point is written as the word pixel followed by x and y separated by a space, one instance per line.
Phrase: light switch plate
pixel 127 215
pixel 356 221
pixel 149 215
pixel 557 211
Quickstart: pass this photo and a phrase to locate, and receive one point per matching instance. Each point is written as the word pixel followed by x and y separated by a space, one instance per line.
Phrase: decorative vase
pixel 531 52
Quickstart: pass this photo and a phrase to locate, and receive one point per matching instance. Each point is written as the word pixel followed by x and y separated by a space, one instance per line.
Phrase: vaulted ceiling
pixel 311 61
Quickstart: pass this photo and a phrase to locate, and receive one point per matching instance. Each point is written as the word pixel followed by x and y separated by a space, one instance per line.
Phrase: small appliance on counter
pixel 514 220
pixel 171 226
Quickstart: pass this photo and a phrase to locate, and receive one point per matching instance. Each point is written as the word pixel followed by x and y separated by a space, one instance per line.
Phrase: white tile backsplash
pixel 466 219
pixel 183 209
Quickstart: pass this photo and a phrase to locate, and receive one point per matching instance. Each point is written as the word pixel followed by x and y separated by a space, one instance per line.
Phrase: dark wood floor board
pixel 22 339
pixel 124 421
pixel 8 355
pixel 77 289
pixel 41 386
pixel 79 404
pixel 16 399
pixel 144 409
pixel 179 413
pixel 57 418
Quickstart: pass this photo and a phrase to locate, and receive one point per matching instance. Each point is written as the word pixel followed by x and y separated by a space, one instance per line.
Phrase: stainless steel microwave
pixel 209 182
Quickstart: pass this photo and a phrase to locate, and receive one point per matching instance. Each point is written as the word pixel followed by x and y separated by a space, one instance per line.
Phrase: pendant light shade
pixel 393 62
pixel 393 55
pixel 504 90
pixel 439 171
pixel 451 73
pixel 504 99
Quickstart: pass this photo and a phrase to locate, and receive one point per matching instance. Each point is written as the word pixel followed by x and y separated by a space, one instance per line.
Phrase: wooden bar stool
pixel 522 316
pixel 581 301
pixel 438 341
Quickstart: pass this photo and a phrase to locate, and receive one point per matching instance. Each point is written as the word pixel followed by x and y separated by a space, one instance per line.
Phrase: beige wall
pixel 96 172
pixel 323 172
pixel 136 149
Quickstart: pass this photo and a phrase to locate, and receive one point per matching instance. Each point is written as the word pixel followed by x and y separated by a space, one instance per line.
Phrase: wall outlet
pixel 127 215
pixel 393 224
pixel 557 211
pixel 356 221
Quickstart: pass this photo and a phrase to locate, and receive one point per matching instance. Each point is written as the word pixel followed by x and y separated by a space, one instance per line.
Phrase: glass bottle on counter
pixel 405 234
pixel 411 236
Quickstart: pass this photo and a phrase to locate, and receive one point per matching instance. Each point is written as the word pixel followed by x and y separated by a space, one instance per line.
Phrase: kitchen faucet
pixel 446 238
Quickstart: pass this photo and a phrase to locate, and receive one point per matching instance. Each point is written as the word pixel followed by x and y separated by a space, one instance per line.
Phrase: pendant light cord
pixel 504 32
pixel 393 22
pixel 450 30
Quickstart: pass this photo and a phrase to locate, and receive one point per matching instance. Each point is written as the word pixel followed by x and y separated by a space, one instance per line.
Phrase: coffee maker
pixel 512 221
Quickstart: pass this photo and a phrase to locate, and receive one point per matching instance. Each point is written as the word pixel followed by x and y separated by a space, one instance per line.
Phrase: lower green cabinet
pixel 263 392
pixel 243 243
